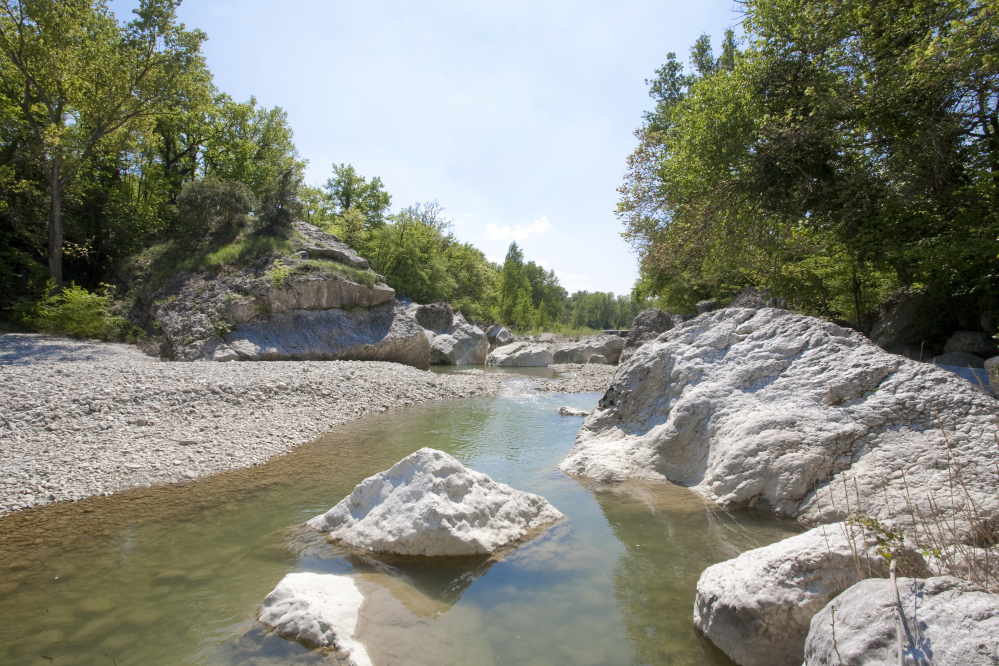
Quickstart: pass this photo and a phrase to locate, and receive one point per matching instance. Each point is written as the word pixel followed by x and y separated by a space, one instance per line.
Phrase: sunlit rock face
pixel 318 610
pixel 945 621
pixel 766 409
pixel 757 607
pixel 430 504
pixel 521 355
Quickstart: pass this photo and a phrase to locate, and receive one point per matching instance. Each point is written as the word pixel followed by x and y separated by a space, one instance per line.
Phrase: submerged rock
pixel 318 610
pixel 430 504
pixel 571 411
pixel 521 355
pixel 946 621
pixel 763 408
pixel 757 607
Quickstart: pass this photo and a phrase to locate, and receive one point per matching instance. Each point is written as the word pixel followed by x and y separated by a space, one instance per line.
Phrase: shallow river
pixel 177 574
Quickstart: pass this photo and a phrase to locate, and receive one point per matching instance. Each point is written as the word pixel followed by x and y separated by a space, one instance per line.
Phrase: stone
pixel 757 607
pixel 520 355
pixel 764 409
pixel 430 504
pixel 779 302
pixel 547 337
pixel 647 325
pixel 436 317
pixel 945 621
pixel 991 366
pixel 316 242
pixel 903 312
pixel 978 377
pixel 318 610
pixel 461 343
pixel 972 342
pixel 960 360
pixel 705 306
pixel 750 297
pixel 571 411
pixel 608 346
pixel 382 333
pixel 597 359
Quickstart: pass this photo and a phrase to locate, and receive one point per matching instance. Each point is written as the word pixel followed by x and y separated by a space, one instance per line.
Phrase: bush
pixel 209 207
pixel 75 312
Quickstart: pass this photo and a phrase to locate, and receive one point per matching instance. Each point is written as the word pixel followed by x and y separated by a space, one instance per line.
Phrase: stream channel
pixel 177 574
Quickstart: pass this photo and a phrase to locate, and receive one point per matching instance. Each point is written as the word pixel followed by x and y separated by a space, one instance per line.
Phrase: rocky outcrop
pixel 382 333
pixel 757 607
pixel 521 355
pixel 316 243
pixel 597 359
pixel 945 621
pixel 764 408
pixel 705 306
pixel 647 326
pixel 571 411
pixel 499 336
pixel 608 346
pixel 318 610
pixel 435 317
pixel 430 504
pixel 463 345
pixel 972 342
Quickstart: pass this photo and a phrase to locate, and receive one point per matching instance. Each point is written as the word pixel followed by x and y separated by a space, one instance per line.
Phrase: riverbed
pixel 177 573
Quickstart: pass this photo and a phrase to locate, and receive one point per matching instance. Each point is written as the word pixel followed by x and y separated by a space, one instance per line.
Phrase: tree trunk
pixel 55 228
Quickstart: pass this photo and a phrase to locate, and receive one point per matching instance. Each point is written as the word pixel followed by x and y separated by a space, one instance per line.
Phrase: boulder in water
pixel 430 504
pixel 318 610
pixel 521 355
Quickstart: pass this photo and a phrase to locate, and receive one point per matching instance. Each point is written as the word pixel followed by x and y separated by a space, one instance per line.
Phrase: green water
pixel 177 574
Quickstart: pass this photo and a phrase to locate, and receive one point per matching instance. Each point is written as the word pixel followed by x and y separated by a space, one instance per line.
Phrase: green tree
pixel 81 80
pixel 346 189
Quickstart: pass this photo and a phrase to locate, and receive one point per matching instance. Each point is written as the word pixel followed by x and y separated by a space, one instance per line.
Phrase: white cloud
pixel 520 232
pixel 572 283
pixel 495 260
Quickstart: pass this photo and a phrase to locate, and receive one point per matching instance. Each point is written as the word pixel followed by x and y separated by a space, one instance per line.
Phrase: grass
pixel 330 267
pixel 564 331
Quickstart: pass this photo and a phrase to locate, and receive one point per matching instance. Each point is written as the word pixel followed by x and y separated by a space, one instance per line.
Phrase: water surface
pixel 176 574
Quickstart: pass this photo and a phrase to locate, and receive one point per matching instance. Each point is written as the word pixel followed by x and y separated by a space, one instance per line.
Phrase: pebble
pixel 585 378
pixel 89 418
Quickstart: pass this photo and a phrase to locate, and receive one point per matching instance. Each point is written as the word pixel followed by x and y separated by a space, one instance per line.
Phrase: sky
pixel 518 117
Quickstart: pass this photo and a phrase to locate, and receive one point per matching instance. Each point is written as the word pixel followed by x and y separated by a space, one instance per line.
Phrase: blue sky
pixel 516 116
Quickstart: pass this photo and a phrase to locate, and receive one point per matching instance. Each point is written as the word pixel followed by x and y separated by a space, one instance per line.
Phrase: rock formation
pixel 318 610
pixel 430 504
pixel 946 621
pixel 499 336
pixel 521 355
pixel 571 411
pixel 647 326
pixel 757 607
pixel 608 346
pixel 763 408
pixel 978 343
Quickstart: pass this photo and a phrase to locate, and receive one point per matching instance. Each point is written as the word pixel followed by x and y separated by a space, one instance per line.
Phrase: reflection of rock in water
pixel 261 646
pixel 671 535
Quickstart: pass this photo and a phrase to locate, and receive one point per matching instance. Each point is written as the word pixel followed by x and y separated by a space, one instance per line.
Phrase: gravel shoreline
pixel 89 418
pixel 585 378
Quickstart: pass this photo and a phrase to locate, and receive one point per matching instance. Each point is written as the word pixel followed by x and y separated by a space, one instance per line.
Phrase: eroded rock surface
pixel 762 408
pixel 521 355
pixel 946 621
pixel 608 346
pixel 318 610
pixel 430 504
pixel 757 607
pixel 646 326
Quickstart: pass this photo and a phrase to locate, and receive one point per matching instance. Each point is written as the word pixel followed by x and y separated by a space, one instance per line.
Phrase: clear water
pixel 177 574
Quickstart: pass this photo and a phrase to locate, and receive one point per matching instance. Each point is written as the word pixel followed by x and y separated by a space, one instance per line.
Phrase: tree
pixel 80 80
pixel 347 189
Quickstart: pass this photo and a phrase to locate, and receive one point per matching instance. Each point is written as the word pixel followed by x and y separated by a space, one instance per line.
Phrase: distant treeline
pixel 848 149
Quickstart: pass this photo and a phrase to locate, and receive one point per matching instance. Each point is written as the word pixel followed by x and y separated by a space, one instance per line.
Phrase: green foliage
pixel 602 311
pixel 849 149
pixel 347 190
pixel 72 311
pixel 278 273
pixel 210 206
pixel 529 296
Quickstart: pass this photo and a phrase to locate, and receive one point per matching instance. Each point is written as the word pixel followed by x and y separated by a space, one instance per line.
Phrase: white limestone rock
pixel 571 411
pixel 521 355
pixel 460 344
pixel 764 408
pixel 947 621
pixel 757 607
pixel 608 346
pixel 318 610
pixel 430 504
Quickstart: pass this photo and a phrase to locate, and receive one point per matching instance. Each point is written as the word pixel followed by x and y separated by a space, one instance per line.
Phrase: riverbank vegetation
pixel 840 151
pixel 122 164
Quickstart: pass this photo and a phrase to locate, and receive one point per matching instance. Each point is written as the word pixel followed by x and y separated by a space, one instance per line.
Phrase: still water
pixel 176 575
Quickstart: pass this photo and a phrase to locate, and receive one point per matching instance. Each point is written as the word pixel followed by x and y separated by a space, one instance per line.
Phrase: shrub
pixel 75 312
pixel 209 206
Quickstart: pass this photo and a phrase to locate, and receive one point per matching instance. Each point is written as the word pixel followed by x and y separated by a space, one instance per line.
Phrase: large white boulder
pixel 608 346
pixel 318 610
pixel 757 607
pixel 460 344
pixel 521 355
pixel 946 621
pixel 764 408
pixel 430 504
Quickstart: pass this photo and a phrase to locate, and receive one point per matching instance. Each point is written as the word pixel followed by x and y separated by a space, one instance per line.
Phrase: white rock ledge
pixel 318 610
pixel 430 504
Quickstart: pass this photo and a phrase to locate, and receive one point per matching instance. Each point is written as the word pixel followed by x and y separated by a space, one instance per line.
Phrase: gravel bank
pixel 85 418
pixel 585 378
